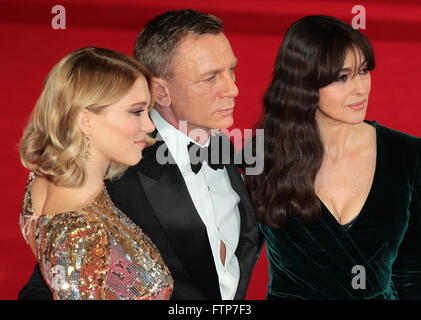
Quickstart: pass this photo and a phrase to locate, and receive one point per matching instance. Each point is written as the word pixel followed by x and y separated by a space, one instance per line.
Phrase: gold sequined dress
pixel 95 253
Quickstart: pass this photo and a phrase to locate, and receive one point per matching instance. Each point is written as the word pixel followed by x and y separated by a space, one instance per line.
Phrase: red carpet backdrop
pixel 30 46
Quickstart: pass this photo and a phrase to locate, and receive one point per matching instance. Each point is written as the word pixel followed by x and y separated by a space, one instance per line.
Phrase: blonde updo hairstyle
pixel 91 78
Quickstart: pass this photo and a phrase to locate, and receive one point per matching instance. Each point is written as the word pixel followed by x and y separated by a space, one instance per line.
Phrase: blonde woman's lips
pixel 141 143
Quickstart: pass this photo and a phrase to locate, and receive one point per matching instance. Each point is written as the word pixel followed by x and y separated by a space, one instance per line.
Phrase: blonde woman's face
pixel 118 132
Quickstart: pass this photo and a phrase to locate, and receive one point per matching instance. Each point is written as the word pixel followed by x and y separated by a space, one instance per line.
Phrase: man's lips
pixel 226 111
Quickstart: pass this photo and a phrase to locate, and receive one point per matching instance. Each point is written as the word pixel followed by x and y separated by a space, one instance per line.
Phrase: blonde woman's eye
pixel 137 112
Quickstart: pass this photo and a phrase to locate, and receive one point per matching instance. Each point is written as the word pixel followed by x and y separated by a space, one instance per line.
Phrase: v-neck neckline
pixel 370 193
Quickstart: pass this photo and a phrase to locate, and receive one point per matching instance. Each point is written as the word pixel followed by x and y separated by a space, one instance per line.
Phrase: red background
pixel 30 47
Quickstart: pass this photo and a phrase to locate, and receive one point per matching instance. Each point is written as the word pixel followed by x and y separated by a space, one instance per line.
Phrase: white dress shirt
pixel 215 201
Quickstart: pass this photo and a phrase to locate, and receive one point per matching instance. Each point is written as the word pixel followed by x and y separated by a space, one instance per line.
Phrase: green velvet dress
pixel 378 256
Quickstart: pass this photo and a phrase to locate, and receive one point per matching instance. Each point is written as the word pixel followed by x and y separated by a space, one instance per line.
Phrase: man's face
pixel 202 83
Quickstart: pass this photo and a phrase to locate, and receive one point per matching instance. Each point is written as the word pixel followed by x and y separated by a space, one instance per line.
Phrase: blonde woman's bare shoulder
pixel 61 199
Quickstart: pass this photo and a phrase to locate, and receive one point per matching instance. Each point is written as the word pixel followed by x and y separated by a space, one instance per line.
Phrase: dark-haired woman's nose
pixel 361 84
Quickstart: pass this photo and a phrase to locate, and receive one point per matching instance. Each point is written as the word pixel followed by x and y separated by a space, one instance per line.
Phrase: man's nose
pixel 231 89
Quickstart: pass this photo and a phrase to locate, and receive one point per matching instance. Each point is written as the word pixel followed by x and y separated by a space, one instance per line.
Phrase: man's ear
pixel 84 122
pixel 162 94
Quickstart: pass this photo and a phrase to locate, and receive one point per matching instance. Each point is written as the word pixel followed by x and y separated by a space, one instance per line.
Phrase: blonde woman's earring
pixel 86 155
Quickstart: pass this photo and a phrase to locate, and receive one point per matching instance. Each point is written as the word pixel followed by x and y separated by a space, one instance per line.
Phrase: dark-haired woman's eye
pixel 364 71
pixel 342 78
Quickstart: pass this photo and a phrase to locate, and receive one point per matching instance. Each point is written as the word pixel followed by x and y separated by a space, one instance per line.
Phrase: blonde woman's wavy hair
pixel 91 78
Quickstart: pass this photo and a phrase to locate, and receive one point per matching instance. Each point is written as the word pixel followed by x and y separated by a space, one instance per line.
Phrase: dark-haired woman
pixel 339 199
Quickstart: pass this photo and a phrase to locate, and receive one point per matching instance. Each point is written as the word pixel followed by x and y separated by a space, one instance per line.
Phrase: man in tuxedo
pixel 199 215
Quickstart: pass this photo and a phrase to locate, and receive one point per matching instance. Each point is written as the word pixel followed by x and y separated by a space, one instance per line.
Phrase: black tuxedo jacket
pixel 156 198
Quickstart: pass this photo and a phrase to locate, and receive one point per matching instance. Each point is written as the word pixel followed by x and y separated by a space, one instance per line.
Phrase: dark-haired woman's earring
pixel 86 155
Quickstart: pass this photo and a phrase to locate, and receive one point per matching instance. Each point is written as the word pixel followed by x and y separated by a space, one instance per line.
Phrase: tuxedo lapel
pixel 169 197
pixel 248 243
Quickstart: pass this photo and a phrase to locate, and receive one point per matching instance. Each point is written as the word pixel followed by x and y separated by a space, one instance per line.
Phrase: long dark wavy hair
pixel 311 56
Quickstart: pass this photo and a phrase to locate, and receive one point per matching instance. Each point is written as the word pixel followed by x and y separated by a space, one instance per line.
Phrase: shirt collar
pixel 175 140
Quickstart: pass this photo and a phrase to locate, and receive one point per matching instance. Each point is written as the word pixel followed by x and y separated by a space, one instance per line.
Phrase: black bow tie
pixel 199 154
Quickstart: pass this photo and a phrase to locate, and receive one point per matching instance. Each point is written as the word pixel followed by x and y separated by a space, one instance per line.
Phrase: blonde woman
pixel 89 124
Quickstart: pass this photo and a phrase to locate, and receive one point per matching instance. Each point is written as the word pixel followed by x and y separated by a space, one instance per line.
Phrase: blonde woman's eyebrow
pixel 139 104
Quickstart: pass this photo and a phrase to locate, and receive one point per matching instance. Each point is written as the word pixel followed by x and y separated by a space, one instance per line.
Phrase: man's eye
pixel 210 78
pixel 233 72
pixel 364 71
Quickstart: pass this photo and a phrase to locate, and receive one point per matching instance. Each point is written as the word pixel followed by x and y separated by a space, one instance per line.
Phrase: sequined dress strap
pixel 27 219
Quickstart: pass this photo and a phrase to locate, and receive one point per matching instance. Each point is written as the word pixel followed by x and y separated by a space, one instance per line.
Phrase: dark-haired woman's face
pixel 346 99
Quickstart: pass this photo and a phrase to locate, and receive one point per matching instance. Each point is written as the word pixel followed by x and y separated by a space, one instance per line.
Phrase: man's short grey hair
pixel 156 44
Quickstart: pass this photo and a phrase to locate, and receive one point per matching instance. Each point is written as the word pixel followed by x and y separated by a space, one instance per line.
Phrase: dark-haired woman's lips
pixel 357 106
